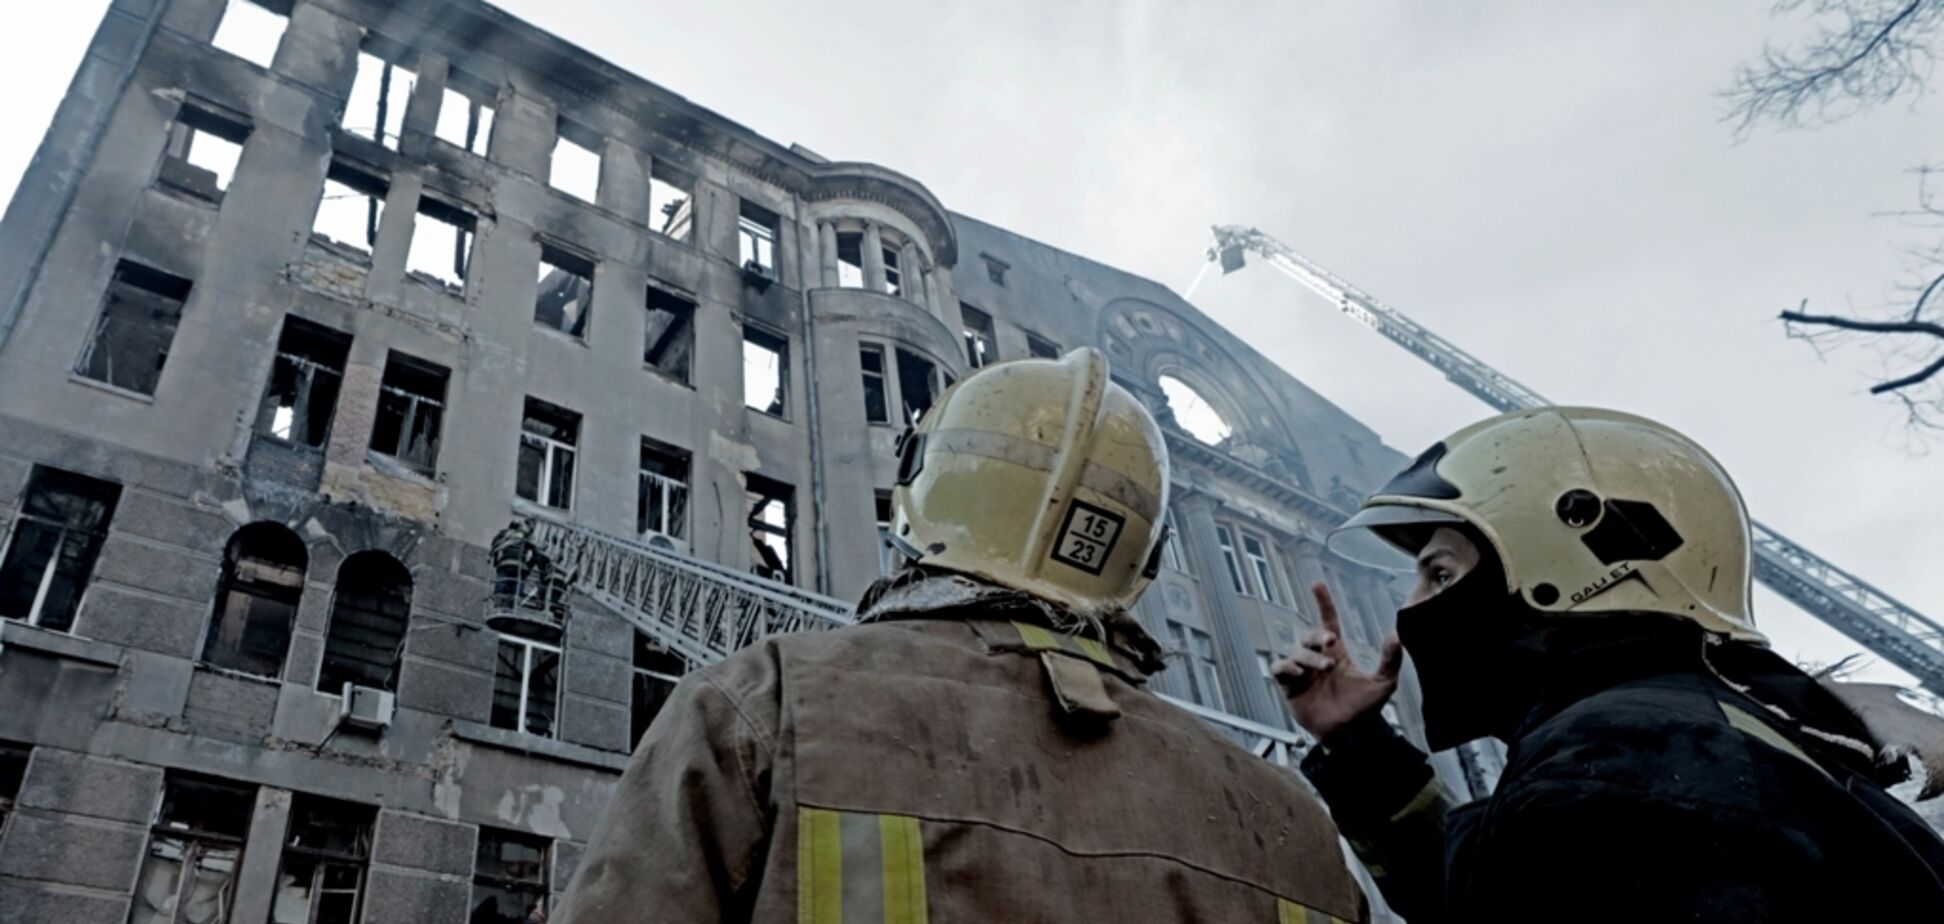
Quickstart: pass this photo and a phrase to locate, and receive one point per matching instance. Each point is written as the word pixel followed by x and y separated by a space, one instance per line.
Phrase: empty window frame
pixel 766 371
pixel 670 342
pixel 1256 549
pixel 379 95
pixel 1171 549
pixel 877 390
pixel 526 686
pixel 256 603
pixel 251 30
pixel 370 611
pixel 442 239
pixel 137 324
pixel 203 150
pixel 548 436
pixel 13 771
pixel 576 168
pixel 321 877
pixel 351 206
pixel 979 336
pixel 1226 540
pixel 1198 653
pixel 756 232
pixel 1037 345
pixel 850 259
pixel 509 878
pixel 662 508
pixel 656 671
pixel 411 406
pixel 566 294
pixel 888 556
pixel 671 205
pixel 194 851
pixel 893 274
pixel 772 521
pixel 304 381
pixel 464 121
pixel 51 549
pixel 917 385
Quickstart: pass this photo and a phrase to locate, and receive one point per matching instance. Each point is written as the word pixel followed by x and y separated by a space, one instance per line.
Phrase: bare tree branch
pixel 1874 327
pixel 1908 380
pixel 1880 51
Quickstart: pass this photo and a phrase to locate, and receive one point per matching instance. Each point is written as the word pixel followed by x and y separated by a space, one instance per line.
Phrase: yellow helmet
pixel 1040 475
pixel 1590 511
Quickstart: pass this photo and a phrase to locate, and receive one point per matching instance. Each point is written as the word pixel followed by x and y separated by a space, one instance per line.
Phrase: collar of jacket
pixel 918 592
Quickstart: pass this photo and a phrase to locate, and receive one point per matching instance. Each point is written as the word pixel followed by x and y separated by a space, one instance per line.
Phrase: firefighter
pixel 980 746
pixel 1583 596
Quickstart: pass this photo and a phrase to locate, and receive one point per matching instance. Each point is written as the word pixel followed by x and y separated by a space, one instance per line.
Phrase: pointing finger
pixel 1392 660
pixel 1326 607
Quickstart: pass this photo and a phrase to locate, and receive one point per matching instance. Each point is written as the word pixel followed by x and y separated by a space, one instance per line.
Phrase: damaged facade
pixel 296 319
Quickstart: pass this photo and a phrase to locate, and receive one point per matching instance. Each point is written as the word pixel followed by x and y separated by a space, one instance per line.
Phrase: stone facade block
pixel 26 901
pixel 74 783
pixel 163 625
pixel 232 708
pixel 598 676
pixel 445 690
pixel 393 897
pixel 595 724
pixel 427 844
pixel 164 569
pixel 67 850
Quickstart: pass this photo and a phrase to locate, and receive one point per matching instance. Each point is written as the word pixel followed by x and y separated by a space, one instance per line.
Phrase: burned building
pixel 303 302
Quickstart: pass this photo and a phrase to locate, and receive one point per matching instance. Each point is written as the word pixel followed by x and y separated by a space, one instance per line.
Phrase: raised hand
pixel 1325 689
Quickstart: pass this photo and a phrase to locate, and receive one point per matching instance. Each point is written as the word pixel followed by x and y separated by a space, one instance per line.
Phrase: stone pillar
pixel 256 876
pixel 873 257
pixel 421 119
pixel 914 277
pixel 827 243
pixel 623 188
pixel 1246 695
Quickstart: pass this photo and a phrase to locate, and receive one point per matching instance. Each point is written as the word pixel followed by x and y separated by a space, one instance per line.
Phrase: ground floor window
pixel 526 686
pixel 189 873
pixel 509 878
pixel 323 871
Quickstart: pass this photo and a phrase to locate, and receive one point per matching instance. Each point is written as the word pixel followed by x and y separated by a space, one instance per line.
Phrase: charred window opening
pixel 1256 549
pixel 671 205
pixel 465 115
pixel 877 404
pixel 509 878
pixel 442 239
pixel 304 383
pixel 888 556
pixel 656 671
pixel 576 167
pixel 548 437
pixel 566 293
pixel 850 259
pixel 351 206
pixel 322 876
pixel 51 550
pixel 979 336
pixel 670 342
pixel 1198 649
pixel 13 770
pixel 369 614
pixel 256 604
pixel 132 336
pixel 379 95
pixel 411 405
pixel 766 371
pixel 194 851
pixel 893 276
pixel 526 686
pixel 917 385
pixel 203 150
pixel 662 508
pixel 252 30
pixel 996 270
pixel 1037 345
pixel 756 233
pixel 772 521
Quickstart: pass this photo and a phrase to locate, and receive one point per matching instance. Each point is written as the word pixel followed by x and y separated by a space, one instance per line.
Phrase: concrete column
pixel 1246 695
pixel 914 277
pixel 256 876
pixel 624 182
pixel 873 257
pixel 422 111
pixel 827 244
pixel 394 239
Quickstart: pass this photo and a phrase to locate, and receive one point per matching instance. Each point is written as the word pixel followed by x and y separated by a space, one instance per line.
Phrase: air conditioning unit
pixel 366 707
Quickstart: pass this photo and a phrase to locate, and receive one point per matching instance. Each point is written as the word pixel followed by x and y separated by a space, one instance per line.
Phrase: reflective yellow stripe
pixel 1094 650
pixel 1748 724
pixel 1423 800
pixel 1288 912
pixel 904 870
pixel 1039 638
pixel 820 867
pixel 1036 638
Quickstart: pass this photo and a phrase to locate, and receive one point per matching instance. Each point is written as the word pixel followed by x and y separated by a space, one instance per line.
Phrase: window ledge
pixel 525 507
pixel 534 746
pixel 234 674
pixel 390 466
pixel 759 412
pixel 14 633
pixel 116 390
pixel 579 340
pixel 668 377
pixel 438 286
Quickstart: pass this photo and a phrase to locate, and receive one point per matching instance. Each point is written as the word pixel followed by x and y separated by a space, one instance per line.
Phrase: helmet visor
pixel 1388 536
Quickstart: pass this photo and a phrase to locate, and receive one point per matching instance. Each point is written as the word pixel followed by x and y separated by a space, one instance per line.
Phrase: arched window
pixel 366 636
pixel 256 603
pixel 1193 413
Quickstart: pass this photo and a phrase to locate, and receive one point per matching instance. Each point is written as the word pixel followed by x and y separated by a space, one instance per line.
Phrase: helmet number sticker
pixel 1087 537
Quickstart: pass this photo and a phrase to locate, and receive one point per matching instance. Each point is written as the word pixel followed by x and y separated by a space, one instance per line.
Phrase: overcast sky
pixel 1545 184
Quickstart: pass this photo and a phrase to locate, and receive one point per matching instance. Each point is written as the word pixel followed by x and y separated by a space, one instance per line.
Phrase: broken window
pixel 772 518
pixel 566 293
pixel 756 229
pixel 189 872
pixel 888 556
pixel 662 508
pixel 1257 551
pixel 979 337
pixel 671 208
pixel 509 878
pixel 656 671
pixel 850 259
pixel 917 385
pixel 576 168
pixel 1227 541
pixel 349 210
pixel 1198 649
pixel 256 603
pixel 411 404
pixel 526 686
pixel 365 640
pixel 670 342
pixel 13 770
pixel 132 336
pixel 442 239
pixel 251 30
pixel 893 279
pixel 996 269
pixel 322 876
pixel 203 150
pixel 51 549
pixel 766 370
pixel 304 383
pixel 464 122
pixel 379 94
pixel 1037 345
pixel 877 406
pixel 546 466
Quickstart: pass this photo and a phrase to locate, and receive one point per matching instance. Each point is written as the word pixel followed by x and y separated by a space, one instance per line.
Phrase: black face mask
pixel 1476 649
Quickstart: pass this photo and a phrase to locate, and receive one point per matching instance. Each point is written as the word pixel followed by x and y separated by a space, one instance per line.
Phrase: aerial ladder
pixel 1880 623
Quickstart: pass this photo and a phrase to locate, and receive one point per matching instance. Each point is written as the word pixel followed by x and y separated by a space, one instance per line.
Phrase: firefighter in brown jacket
pixel 980 747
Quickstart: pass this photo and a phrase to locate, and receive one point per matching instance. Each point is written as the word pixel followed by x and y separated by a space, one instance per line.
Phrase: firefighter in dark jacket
pixel 1583 596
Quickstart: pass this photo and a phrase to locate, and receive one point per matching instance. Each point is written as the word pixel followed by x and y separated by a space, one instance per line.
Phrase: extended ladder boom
pixel 1890 629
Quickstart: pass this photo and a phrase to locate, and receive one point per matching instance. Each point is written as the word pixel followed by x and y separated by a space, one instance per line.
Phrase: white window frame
pixel 758 243
pixel 526 680
pixel 47 571
pixel 1226 539
pixel 668 488
pixel 1205 678
pixel 883 376
pixel 1256 550
pixel 893 273
pixel 551 450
